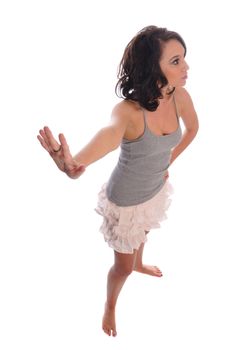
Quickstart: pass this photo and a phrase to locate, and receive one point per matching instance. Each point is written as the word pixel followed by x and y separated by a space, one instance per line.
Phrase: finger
pixel 43 143
pixel 69 164
pixel 45 140
pixel 66 152
pixel 50 139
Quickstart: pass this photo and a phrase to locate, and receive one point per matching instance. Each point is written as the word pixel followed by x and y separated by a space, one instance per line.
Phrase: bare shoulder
pixel 124 112
pixel 183 98
pixel 125 108
pixel 186 108
pixel 126 117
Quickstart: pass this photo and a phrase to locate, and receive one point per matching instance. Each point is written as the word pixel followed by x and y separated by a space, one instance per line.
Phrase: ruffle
pixel 124 228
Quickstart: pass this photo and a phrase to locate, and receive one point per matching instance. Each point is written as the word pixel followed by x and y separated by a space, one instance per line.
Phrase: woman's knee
pixel 123 270
pixel 124 263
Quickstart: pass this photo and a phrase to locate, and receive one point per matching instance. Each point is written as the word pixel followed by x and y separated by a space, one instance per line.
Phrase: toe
pixel 106 330
pixel 158 270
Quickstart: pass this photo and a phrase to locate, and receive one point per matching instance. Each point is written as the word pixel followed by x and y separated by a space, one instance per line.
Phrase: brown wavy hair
pixel 140 76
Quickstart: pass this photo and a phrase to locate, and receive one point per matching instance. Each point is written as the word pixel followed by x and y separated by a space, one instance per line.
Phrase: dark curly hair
pixel 140 76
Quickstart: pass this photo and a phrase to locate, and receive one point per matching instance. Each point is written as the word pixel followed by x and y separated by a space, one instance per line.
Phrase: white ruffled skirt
pixel 124 228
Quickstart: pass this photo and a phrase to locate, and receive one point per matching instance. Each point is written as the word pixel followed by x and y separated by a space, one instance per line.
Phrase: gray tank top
pixel 139 173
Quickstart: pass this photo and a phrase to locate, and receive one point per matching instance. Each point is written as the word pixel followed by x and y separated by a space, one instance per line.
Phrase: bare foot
pixel 149 270
pixel 108 321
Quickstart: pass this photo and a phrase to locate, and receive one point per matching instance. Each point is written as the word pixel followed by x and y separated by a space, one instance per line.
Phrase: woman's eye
pixel 175 61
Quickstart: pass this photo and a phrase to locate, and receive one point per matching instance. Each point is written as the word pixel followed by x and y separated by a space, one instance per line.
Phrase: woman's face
pixel 173 64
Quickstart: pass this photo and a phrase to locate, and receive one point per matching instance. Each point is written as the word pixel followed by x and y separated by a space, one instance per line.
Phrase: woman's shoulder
pixel 126 107
pixel 127 113
pixel 186 109
pixel 183 98
pixel 181 94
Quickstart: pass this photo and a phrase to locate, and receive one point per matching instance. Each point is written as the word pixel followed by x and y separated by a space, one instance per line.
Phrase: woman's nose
pixel 186 66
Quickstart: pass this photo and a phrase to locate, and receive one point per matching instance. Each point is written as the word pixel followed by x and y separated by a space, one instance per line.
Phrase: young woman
pixel 146 125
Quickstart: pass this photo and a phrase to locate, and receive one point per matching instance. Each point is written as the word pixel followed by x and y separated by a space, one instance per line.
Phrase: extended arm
pixel 106 140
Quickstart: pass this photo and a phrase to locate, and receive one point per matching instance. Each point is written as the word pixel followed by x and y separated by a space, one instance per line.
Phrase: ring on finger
pixel 57 150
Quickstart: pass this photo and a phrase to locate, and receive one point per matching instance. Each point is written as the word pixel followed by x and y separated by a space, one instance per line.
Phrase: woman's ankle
pixel 110 306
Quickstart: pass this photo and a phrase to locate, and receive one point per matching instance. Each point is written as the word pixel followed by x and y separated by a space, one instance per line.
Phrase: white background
pixel 58 67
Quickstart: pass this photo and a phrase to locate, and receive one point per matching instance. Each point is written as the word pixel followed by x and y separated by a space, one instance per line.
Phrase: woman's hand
pixel 60 153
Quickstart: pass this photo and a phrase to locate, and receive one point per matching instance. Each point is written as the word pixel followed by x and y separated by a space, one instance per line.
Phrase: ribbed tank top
pixel 139 173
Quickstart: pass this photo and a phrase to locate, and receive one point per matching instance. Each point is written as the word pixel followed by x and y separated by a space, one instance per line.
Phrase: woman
pixel 146 125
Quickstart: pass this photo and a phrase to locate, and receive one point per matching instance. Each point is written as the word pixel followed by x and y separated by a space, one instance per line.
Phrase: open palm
pixel 60 153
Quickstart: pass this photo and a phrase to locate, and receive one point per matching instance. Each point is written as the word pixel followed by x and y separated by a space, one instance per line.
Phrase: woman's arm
pixel 105 141
pixel 190 120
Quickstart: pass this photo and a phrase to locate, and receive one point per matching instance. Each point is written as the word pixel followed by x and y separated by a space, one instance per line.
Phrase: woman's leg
pixel 122 268
pixel 147 269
